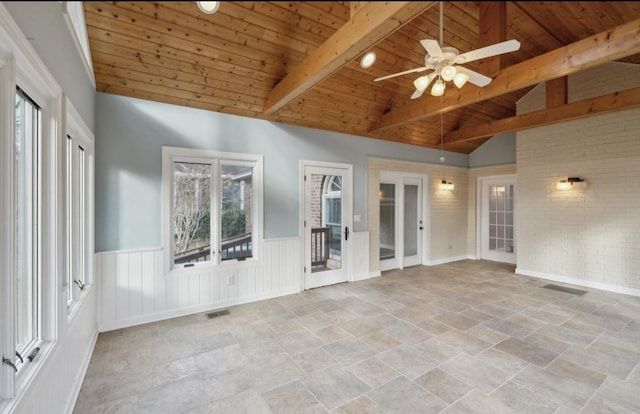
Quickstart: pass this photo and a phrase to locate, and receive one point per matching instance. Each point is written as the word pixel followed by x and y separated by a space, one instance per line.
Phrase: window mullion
pixel 216 207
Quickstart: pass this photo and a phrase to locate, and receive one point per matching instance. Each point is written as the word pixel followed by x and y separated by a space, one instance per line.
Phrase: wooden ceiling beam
pixel 607 46
pixel 370 25
pixel 617 101
pixel 493 29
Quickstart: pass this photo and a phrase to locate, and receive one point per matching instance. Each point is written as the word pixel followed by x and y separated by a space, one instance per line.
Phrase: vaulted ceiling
pixel 298 62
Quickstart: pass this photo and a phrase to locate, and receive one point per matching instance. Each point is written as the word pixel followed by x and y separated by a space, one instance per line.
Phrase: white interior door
pixel 327 223
pixel 401 220
pixel 497 236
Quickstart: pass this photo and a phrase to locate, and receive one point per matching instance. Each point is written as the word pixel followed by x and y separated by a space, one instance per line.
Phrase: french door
pixel 326 223
pixel 401 220
pixel 497 218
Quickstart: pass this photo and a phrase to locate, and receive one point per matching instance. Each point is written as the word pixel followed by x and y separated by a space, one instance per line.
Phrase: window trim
pixel 73 12
pixel 172 154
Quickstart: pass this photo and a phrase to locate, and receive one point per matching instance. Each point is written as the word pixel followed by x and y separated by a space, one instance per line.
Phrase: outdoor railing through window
pixel 235 248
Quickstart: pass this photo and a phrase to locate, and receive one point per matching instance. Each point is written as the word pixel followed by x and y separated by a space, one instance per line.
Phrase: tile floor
pixel 465 337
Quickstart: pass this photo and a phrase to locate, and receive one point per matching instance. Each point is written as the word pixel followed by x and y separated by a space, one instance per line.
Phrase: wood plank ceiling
pixel 298 62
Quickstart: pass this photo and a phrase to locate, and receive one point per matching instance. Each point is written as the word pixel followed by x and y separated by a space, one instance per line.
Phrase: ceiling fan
pixel 445 63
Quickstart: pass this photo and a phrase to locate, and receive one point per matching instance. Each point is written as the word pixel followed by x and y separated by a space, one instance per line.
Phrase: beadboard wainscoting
pixel 133 288
pixel 360 251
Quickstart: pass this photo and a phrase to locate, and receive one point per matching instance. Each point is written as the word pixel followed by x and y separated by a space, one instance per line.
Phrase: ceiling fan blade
pixel 418 93
pixel 432 47
pixel 402 73
pixel 488 51
pixel 476 78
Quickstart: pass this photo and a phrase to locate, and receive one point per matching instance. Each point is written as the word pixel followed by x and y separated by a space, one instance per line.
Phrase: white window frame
pixel 21 66
pixel 79 244
pixel 215 158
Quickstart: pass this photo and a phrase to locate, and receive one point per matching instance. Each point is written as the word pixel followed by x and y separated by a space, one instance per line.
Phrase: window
pixel 69 176
pixel 212 206
pixel 27 238
pixel 81 234
pixel 76 219
pixel 32 242
pixel 79 189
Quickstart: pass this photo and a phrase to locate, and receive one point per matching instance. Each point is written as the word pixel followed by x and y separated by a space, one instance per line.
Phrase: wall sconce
pixel 571 182
pixel 444 185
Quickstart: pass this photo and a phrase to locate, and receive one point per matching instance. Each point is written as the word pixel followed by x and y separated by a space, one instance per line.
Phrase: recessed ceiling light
pixel 368 60
pixel 208 7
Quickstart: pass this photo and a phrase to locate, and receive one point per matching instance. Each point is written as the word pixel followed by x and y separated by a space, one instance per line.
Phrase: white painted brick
pixel 594 234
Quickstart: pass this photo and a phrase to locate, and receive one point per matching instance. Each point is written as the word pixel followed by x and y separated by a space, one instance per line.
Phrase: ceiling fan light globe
pixel 421 83
pixel 208 7
pixel 438 88
pixel 460 79
pixel 448 73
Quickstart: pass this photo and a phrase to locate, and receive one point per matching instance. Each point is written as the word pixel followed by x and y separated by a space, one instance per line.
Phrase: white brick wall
pixel 447 209
pixel 591 236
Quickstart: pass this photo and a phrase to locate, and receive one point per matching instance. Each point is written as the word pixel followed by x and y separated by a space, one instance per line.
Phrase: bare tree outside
pixel 192 210
pixel 191 207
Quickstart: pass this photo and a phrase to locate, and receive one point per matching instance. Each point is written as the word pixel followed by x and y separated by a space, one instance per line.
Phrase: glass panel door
pixel 501 218
pixel 401 220
pixel 387 221
pixel 497 234
pixel 412 221
pixel 326 228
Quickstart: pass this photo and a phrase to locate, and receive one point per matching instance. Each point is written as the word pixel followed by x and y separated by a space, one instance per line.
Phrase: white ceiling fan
pixel 446 61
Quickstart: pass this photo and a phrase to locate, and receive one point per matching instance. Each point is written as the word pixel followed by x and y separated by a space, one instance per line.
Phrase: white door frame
pixel 347 205
pixel 398 178
pixel 479 209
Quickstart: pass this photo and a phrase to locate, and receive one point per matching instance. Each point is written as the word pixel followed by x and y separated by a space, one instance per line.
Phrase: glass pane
pixel 191 212
pixel 326 222
pixel 69 206
pixel 501 218
pixel 236 220
pixel 81 216
pixel 410 220
pixel 26 214
pixel 387 221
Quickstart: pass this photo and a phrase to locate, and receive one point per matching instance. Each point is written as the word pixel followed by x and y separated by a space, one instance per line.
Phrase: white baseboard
pixel 160 316
pixel 375 274
pixel 446 260
pixel 579 282
pixel 75 392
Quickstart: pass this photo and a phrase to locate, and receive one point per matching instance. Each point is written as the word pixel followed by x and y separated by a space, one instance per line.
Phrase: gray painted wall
pixel 43 23
pixel 499 150
pixel 130 134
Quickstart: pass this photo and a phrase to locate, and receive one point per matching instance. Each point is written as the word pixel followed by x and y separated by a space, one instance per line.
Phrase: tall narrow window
pixel 79 180
pixel 70 238
pixel 27 213
pixel 81 235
